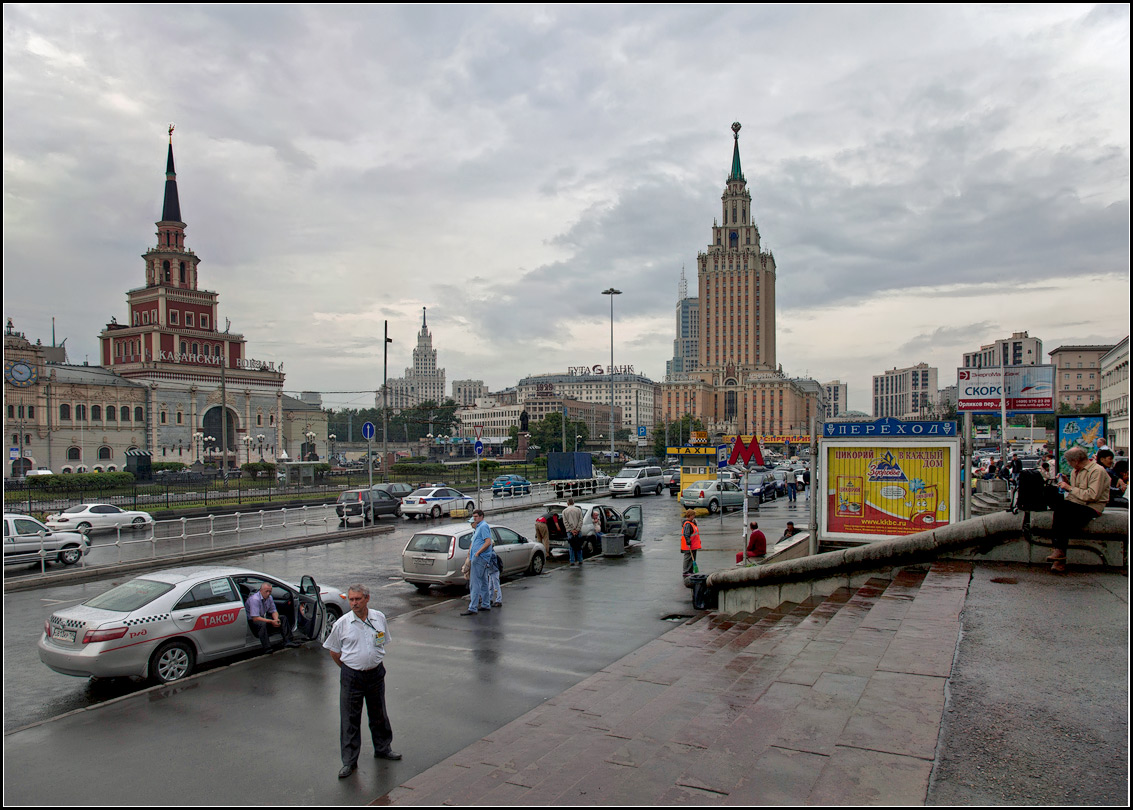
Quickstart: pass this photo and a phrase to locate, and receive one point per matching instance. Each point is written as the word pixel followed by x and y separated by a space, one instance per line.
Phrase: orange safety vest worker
pixel 690 543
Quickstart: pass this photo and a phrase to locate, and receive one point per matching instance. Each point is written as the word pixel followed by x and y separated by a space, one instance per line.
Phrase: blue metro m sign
pixel 746 452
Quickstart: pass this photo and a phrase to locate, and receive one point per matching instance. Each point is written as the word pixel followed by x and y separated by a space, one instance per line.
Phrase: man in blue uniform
pixel 481 555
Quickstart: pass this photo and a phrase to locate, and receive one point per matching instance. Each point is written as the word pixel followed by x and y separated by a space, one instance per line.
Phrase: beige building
pixel 304 432
pixel 495 419
pixel 1115 394
pixel 1077 375
pixel 595 415
pixel 67 418
pixel 634 394
pixel 737 387
pixel 1018 350
pixel 466 392
pixel 905 393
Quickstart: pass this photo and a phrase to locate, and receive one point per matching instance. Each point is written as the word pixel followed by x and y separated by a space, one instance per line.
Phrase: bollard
pixel 304 520
pixel 212 535
pixel 184 536
pixel 261 520
pixel 42 554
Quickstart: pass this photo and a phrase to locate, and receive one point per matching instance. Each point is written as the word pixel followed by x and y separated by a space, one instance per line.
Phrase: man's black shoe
pixel 387 755
pixel 347 770
pixel 293 644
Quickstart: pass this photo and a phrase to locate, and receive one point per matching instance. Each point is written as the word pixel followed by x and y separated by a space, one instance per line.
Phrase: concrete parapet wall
pixel 1103 541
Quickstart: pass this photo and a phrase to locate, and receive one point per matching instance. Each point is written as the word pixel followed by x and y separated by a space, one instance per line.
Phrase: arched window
pixel 182 272
pixel 165 265
pixel 196 348
pixel 184 346
pixel 81 413
pixel 111 413
pixel 65 412
pixel 105 453
pixel 139 415
pixel 125 413
pixel 96 413
pixel 74 454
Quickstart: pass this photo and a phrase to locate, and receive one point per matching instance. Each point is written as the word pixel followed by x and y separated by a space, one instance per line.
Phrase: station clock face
pixel 20 373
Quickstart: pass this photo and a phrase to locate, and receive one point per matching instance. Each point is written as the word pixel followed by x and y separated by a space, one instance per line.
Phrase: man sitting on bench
pixel 264 618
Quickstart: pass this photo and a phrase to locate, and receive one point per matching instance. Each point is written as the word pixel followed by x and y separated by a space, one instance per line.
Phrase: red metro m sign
pixel 746 452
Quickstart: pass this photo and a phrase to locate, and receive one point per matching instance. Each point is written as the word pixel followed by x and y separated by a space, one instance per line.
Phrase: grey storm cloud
pixel 339 166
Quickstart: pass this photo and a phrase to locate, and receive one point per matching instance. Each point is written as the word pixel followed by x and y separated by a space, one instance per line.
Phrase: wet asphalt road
pixel 451 679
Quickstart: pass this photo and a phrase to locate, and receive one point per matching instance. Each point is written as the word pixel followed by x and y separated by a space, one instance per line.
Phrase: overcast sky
pixel 928 178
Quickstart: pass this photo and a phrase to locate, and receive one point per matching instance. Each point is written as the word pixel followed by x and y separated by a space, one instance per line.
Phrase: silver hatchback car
pixel 435 556
pixel 161 625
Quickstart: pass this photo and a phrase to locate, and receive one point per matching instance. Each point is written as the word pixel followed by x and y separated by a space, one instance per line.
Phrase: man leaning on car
pixel 264 618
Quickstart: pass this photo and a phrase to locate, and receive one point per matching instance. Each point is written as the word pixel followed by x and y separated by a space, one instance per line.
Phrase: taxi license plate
pixel 62 635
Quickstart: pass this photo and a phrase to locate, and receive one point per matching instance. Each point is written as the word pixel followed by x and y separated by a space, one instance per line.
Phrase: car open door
pixel 633 524
pixel 312 612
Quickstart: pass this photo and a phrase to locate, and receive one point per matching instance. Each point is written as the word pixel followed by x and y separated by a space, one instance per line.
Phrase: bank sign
pixel 1030 389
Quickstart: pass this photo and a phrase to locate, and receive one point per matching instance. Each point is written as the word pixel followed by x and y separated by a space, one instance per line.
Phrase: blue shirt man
pixel 264 617
pixel 481 556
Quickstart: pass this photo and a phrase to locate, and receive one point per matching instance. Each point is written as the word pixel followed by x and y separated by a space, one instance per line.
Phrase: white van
pixel 637 480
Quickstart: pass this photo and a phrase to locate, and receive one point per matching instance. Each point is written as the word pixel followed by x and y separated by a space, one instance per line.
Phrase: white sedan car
pixel 163 624
pixel 88 517
pixel 434 502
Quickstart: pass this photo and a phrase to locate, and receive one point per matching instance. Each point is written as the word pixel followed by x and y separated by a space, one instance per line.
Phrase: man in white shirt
pixel 357 643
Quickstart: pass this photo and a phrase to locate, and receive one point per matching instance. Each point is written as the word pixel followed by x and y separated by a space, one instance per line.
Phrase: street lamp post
pixel 331 440
pixel 198 444
pixel 248 442
pixel 260 441
pixel 310 443
pixel 576 440
pixel 611 292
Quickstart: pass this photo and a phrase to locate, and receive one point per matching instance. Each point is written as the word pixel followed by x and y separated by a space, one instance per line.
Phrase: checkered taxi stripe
pixel 67 622
pixel 161 617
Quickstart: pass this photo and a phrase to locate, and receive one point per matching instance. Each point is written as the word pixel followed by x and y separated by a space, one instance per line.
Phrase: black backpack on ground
pixel 1030 494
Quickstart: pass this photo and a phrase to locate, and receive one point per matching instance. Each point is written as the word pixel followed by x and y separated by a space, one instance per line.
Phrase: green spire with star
pixel 737 172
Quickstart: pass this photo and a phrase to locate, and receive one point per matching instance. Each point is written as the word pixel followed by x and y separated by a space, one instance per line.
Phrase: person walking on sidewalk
pixel 690 544
pixel 572 520
pixel 480 557
pixel 1086 495
pixel 357 644
pixel 791 494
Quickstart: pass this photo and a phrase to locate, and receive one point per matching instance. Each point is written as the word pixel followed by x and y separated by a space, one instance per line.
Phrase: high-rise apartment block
pixel 905 393
pixel 835 398
pixel 1018 350
pixel 686 346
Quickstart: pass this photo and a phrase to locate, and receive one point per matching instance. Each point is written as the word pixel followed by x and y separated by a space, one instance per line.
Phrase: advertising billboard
pixel 1030 389
pixel 879 489
pixel 1079 431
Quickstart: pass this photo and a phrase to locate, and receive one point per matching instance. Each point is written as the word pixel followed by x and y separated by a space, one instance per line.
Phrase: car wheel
pixel 83 527
pixel 658 492
pixel 436 513
pixel 172 662
pixel 70 555
pixel 536 567
pixel 713 507
pixel 333 615
pixel 422 587
pixel 637 492
pixel 469 506
pixel 139 523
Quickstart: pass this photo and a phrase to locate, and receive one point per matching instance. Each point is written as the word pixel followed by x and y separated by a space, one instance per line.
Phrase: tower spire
pixel 171 209
pixel 737 172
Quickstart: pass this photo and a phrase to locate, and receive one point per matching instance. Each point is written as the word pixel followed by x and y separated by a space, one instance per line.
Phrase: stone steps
pixel 832 701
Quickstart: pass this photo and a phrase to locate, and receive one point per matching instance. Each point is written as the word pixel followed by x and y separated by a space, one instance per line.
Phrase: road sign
pixel 368 431
pixel 641 431
pixel 479 448
pixel 13 453
pixel 479 432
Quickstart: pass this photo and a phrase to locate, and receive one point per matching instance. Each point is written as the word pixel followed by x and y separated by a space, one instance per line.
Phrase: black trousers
pixel 1068 517
pixel 262 630
pixel 354 688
